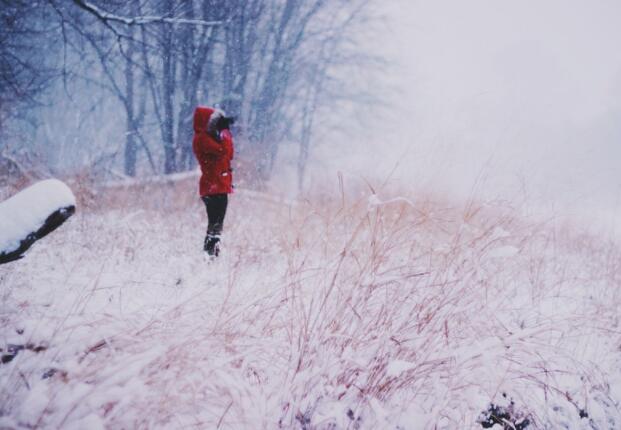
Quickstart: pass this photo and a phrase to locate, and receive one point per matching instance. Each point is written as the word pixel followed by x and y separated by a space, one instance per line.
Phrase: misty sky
pixel 520 94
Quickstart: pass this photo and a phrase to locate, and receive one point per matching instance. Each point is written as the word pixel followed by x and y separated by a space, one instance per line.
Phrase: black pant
pixel 216 210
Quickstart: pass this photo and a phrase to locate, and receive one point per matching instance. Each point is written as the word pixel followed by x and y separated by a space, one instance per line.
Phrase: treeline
pixel 137 69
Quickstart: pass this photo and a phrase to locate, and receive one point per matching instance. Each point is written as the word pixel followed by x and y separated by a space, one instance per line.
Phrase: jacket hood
pixel 202 115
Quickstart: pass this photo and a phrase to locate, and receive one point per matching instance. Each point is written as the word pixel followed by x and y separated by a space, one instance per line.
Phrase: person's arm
pixel 227 140
pixel 208 145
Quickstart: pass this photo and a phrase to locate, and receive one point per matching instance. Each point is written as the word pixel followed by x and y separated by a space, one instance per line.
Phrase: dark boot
pixel 212 245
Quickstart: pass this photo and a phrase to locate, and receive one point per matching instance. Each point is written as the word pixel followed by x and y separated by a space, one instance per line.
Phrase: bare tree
pixel 195 46
pixel 115 52
pixel 331 46
pixel 25 69
pixel 270 63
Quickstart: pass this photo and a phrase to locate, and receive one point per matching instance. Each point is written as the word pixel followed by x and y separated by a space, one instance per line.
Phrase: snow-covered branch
pixel 141 20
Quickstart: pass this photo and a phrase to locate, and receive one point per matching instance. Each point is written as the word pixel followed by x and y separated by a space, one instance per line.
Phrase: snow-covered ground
pixel 344 313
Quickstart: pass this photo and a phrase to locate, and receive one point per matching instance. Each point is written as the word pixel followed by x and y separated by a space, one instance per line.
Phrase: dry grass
pixel 330 313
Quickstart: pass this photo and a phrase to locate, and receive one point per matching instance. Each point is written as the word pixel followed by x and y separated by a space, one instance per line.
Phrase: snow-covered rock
pixel 31 214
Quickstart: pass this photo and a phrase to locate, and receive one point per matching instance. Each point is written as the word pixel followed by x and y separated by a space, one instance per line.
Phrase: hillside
pixel 330 313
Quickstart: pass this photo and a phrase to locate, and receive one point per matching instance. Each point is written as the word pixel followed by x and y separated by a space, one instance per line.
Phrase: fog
pixel 517 100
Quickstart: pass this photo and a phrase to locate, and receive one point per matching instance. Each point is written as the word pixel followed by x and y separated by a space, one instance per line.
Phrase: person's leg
pixel 216 210
pixel 207 201
pixel 220 205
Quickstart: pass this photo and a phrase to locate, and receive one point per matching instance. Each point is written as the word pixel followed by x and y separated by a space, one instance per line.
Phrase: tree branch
pixel 107 17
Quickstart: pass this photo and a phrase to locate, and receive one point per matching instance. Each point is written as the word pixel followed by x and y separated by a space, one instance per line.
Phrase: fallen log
pixel 32 214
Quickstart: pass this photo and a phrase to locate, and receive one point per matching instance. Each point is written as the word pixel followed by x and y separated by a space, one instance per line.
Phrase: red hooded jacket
pixel 214 156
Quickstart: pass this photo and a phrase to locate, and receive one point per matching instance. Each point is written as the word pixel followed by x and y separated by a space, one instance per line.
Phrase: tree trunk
pixel 130 128
pixel 168 93
pixel 194 64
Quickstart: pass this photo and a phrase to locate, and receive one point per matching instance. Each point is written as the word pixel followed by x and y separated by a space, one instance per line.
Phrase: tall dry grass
pixel 336 311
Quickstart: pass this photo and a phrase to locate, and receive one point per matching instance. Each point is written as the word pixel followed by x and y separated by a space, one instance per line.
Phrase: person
pixel 213 147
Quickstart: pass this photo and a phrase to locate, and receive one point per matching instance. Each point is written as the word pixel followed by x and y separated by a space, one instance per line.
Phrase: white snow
pixel 322 314
pixel 397 367
pixel 504 251
pixel 26 211
pixel 374 201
